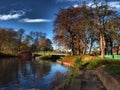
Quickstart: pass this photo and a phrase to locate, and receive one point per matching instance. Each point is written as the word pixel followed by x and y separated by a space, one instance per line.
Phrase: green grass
pixel 89 62
pixel 113 68
pixel 94 62
pixel 86 62
pixel 97 63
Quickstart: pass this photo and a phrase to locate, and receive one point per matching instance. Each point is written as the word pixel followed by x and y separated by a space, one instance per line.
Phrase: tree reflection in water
pixel 35 68
pixel 16 74
pixel 8 71
pixel 43 68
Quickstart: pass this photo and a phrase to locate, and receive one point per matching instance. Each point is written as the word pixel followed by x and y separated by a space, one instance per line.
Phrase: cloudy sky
pixel 35 15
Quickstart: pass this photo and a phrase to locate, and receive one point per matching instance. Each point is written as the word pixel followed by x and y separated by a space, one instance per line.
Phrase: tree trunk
pixel 106 51
pixel 79 51
pixel 111 47
pixel 72 48
pixel 102 45
pixel 117 50
pixel 79 47
pixel 84 50
pixel 91 44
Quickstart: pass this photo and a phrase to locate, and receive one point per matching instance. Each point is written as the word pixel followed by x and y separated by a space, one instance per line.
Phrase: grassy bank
pixel 113 69
pixel 2 55
pixel 88 62
pixel 95 62
pixel 84 63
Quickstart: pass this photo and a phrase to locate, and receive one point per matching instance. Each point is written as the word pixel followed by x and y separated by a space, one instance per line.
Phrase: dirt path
pixel 90 81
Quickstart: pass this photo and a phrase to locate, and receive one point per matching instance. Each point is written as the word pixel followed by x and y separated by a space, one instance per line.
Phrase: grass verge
pixel 83 63
pixel 113 69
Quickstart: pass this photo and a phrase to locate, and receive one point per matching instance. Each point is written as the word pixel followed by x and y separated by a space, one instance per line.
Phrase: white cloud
pixel 111 4
pixel 12 15
pixel 75 5
pixel 27 20
pixel 115 4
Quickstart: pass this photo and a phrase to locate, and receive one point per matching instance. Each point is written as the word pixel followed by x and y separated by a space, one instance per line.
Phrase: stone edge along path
pixel 110 81
pixel 88 81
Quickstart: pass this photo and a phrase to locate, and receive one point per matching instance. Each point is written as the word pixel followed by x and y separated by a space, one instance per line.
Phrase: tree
pixel 8 41
pixel 113 25
pixel 77 28
pixel 45 45
pixel 35 37
pixel 102 13
pixel 20 37
pixel 70 29
pixel 93 37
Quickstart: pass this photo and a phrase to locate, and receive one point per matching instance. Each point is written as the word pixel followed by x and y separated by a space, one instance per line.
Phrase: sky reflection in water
pixel 27 75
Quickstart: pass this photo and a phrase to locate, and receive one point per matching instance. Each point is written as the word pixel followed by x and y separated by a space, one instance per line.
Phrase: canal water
pixel 16 74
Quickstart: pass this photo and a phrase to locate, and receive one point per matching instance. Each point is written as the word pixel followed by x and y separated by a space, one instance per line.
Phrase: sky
pixel 35 15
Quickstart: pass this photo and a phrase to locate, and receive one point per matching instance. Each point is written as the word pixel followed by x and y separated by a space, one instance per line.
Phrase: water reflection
pixel 16 74
pixel 43 68
pixel 8 71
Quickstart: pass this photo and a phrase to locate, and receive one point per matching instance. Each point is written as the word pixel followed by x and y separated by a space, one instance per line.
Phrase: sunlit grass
pixel 89 62
pixel 84 63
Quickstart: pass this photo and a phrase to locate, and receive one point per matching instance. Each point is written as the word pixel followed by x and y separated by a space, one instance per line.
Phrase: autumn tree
pixel 113 25
pixel 12 41
pixel 20 37
pixel 102 13
pixel 35 37
pixel 8 41
pixel 80 27
pixel 45 44
pixel 70 28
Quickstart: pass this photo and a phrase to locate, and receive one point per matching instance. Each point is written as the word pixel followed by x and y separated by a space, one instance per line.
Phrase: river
pixel 16 74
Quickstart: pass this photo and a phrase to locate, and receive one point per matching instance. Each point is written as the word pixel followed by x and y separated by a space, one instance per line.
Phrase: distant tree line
pixel 88 28
pixel 12 41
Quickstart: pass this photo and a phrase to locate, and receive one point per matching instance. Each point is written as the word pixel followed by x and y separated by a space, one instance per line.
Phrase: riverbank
pixel 2 55
pixel 70 61
pixel 48 57
pixel 86 72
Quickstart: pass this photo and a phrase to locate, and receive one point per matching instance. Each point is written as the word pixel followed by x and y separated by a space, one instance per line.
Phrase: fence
pixel 113 56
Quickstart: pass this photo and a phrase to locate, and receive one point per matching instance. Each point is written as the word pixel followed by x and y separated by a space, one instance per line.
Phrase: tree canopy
pixel 80 28
pixel 12 41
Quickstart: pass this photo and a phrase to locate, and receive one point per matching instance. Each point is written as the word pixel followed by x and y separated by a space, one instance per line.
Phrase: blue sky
pixel 34 15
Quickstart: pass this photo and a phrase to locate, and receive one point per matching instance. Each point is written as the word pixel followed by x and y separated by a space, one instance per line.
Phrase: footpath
pixel 88 80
